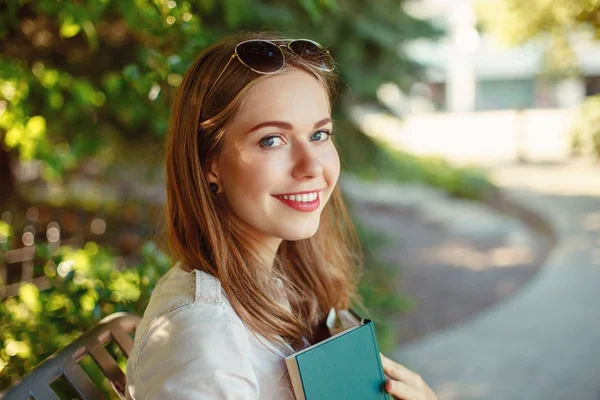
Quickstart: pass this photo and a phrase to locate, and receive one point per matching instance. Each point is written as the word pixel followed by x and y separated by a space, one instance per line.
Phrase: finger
pixel 402 391
pixel 399 372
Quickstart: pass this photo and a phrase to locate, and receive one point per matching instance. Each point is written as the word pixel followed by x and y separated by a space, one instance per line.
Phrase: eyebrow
pixel 286 125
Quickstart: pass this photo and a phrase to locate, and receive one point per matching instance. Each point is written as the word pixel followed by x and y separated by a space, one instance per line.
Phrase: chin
pixel 299 234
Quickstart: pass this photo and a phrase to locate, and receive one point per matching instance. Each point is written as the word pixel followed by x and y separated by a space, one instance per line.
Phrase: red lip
pixel 300 206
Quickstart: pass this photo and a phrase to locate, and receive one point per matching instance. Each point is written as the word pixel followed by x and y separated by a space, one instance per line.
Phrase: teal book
pixel 344 366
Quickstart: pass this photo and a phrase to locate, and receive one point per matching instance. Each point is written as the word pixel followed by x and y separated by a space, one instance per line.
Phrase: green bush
pixel 86 287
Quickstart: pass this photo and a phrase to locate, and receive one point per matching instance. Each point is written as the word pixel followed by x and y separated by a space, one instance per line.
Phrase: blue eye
pixel 270 141
pixel 321 136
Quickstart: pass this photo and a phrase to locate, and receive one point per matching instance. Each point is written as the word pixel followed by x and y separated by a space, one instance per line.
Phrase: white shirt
pixel 190 344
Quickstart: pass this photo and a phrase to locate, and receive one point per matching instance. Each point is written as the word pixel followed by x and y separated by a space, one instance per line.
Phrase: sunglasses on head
pixel 266 57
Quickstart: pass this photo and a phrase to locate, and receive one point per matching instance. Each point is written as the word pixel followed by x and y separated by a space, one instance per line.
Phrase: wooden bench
pixel 65 363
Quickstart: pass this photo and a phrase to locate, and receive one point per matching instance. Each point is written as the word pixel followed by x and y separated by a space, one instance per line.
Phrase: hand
pixel 403 384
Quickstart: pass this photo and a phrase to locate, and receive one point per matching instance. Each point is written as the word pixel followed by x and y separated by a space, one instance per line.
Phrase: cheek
pixel 331 166
pixel 249 174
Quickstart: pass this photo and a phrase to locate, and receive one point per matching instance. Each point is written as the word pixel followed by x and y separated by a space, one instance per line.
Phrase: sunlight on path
pixel 580 178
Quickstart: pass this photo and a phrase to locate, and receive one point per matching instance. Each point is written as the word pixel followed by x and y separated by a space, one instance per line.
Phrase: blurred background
pixel 469 133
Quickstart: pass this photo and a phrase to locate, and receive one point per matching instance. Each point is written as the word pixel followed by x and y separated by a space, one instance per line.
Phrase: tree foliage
pixel 76 77
pixel 85 287
pixel 515 21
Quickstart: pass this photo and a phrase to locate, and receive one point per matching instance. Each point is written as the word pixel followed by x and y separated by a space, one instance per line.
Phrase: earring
pixel 214 187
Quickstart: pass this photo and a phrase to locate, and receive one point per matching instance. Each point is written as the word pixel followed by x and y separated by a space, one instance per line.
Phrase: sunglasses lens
pixel 313 53
pixel 261 56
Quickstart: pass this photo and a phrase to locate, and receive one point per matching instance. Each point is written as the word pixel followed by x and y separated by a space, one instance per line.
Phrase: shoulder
pixel 189 337
pixel 182 299
pixel 179 288
pixel 196 350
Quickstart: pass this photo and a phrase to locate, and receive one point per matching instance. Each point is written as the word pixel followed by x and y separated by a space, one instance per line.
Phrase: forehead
pixel 292 96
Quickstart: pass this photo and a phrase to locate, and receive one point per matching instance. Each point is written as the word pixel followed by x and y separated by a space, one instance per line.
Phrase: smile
pixel 303 198
pixel 305 202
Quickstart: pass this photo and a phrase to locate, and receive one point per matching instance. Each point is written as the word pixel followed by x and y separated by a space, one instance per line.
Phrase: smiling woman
pixel 256 221
pixel 293 157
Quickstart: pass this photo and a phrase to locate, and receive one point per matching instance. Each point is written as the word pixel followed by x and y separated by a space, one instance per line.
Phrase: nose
pixel 306 161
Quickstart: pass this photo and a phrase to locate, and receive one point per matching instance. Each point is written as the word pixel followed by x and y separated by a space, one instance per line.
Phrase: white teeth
pixel 302 198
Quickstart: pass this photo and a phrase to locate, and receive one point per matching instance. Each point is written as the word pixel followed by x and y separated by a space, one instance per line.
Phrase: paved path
pixel 455 257
pixel 543 342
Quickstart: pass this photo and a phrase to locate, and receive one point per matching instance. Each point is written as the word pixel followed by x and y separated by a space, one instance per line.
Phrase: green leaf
pixel 13 136
pixel 49 78
pixel 29 295
pixel 69 28
pixel 36 127
pixel 5 231
pixel 91 34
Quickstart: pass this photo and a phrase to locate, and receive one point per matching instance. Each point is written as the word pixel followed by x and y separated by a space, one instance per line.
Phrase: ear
pixel 213 171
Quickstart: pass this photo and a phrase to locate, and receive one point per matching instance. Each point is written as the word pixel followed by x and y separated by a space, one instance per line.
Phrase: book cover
pixel 344 366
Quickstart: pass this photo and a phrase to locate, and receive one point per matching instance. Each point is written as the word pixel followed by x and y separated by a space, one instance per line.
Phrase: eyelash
pixel 327 132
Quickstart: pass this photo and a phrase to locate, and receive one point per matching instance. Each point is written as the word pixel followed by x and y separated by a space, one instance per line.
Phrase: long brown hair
pixel 317 273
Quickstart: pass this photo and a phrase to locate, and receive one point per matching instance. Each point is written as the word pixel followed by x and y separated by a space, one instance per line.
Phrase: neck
pixel 265 247
pixel 267 250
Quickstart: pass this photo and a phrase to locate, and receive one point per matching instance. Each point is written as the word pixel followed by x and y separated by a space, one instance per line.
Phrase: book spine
pixel 295 377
